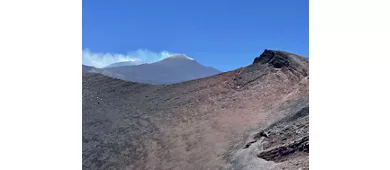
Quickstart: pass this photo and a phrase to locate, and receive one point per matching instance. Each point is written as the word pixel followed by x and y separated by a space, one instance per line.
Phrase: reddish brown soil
pixel 198 124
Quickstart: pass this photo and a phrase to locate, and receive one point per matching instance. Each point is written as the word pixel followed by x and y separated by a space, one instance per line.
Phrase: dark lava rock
pixel 282 59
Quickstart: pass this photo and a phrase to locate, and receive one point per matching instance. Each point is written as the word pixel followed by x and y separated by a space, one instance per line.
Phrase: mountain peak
pixel 282 59
pixel 180 56
pixel 275 58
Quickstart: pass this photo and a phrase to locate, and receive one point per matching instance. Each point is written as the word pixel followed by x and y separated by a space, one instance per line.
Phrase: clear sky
pixel 225 34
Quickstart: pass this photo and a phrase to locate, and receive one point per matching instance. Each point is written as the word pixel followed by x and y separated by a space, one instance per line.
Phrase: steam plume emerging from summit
pixel 140 56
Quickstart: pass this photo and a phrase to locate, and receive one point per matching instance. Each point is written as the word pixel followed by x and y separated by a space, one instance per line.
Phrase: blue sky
pixel 225 34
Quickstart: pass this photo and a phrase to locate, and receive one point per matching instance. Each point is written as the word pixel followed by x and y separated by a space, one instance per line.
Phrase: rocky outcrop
pixel 286 142
pixel 281 153
pixel 282 59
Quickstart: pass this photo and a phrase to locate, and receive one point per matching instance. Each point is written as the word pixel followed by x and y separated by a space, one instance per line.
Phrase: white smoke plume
pixel 140 56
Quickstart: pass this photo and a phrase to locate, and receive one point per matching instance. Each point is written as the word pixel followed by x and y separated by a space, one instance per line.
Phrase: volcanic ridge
pixel 254 117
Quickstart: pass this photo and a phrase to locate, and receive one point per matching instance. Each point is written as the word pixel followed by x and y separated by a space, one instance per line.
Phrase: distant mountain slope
pixel 255 117
pixel 121 64
pixel 171 70
pixel 86 68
